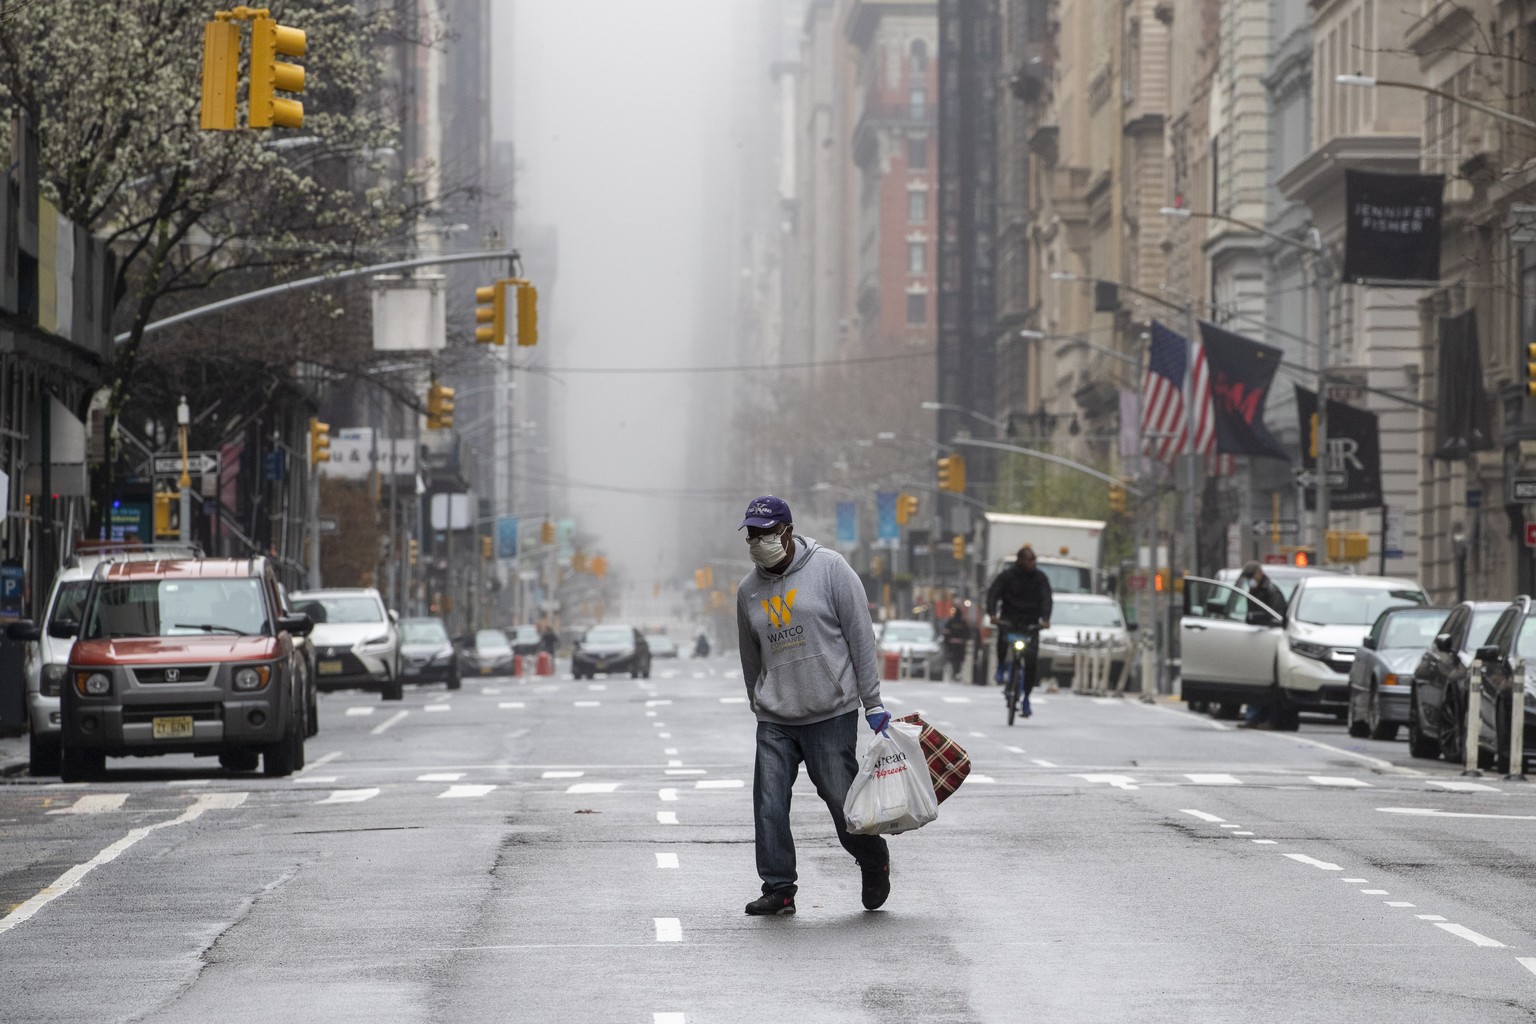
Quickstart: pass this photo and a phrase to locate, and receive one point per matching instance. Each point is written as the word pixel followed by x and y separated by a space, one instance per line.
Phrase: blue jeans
pixel 829 752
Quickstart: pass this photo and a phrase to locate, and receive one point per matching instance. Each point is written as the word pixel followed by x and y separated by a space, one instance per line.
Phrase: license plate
pixel 330 668
pixel 179 727
pixel 485 670
pixel 410 670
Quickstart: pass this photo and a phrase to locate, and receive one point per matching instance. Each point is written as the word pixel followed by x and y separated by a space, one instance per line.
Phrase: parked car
pixel 1076 619
pixel 487 652
pixel 45 659
pixel 355 639
pixel 662 645
pixel 1506 665
pixel 427 654
pixel 181 655
pixel 1235 650
pixel 915 641
pixel 1438 693
pixel 1381 679
pixel 611 649
pixel 526 639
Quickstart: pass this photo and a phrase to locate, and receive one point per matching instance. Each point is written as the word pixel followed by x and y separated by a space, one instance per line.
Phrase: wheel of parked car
pixel 1358 728
pixel 77 765
pixel 42 755
pixel 1380 730
pixel 239 760
pixel 312 713
pixel 286 756
pixel 1453 731
pixel 1420 745
pixel 393 690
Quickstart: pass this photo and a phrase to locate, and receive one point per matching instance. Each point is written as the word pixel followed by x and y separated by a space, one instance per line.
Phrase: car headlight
pixel 252 677
pixel 442 658
pixel 93 684
pixel 376 642
pixel 1307 649
pixel 52 680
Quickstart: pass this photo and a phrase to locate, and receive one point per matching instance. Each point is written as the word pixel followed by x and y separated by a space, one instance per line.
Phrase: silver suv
pixel 355 639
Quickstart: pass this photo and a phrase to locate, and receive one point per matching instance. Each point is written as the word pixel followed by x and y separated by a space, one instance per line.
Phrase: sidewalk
pixel 13 755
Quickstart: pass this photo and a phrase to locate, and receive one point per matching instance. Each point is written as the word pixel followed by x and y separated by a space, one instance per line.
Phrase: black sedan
pixel 426 653
pixel 487 653
pixel 611 649
pixel 1438 693
pixel 1380 680
pixel 1504 667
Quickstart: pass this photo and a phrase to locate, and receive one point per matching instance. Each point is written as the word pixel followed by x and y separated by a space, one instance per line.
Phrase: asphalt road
pixel 548 850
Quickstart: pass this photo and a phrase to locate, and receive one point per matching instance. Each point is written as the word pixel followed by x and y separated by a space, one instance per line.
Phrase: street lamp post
pixel 1371 82
pixel 183 422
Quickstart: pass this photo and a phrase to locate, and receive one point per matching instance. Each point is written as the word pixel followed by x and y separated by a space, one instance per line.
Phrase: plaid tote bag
pixel 948 763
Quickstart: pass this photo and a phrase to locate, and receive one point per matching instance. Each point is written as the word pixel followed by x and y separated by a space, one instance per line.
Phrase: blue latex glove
pixel 878 718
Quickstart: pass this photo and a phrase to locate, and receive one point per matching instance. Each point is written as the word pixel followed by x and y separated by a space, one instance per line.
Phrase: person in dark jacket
pixel 1261 714
pixel 1019 598
pixel 957 633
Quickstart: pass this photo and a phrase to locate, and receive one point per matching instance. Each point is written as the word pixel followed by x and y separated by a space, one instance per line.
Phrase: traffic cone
pixel 545 665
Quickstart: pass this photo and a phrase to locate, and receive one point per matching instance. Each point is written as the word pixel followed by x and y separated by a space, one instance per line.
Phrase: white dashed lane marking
pixel 1462 931
pixel 1460 786
pixel 666 860
pixel 686 771
pixel 593 787
pixel 588 703
pixel 1202 815
pixel 1337 780
pixel 349 796
pixel 562 775
pixel 508 705
pixel 1321 865
pixel 359 711
pixel 668 929
pixel 464 792
pixel 440 777
pixel 1213 779
pixel 667 795
pixel 666 817
pixel 378 730
pixel 438 707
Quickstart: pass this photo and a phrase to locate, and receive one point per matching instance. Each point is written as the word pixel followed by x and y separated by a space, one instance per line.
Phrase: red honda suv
pixel 187 655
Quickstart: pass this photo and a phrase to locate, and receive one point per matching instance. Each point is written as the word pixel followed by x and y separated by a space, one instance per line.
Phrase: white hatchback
pixel 1234 650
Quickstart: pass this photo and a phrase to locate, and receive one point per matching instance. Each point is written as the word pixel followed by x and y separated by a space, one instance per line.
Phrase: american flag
pixel 1163 403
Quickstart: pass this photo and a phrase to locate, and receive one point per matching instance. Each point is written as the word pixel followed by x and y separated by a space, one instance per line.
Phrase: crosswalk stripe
pixel 94 803
pixel 440 777
pixel 464 792
pixel 367 710
pixel 593 787
pixel 349 796
pixel 1337 780
pixel 1213 779
pixel 1460 786
pixel 562 775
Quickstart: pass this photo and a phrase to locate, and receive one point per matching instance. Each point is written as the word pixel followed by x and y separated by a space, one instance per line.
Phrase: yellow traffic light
pixel 578 562
pixel 547 533
pixel 319 441
pixel 485 548
pixel 527 312
pixel 269 40
pixel 957 547
pixel 221 75
pixel 599 566
pixel 491 314
pixel 439 406
pixel 165 516
pixel 1530 369
pixel 906 508
pixel 952 473
pixel 1116 498
pixel 700 581
pixel 1312 436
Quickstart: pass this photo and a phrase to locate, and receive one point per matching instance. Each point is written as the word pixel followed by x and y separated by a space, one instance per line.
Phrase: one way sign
pixel 198 464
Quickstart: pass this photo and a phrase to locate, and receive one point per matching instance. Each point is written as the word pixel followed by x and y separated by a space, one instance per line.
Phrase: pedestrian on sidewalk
pixel 808 661
pixel 957 633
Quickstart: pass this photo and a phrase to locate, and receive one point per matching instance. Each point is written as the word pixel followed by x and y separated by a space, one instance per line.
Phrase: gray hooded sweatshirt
pixel 807 645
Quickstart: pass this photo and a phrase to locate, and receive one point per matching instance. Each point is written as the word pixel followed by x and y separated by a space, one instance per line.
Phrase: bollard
pixel 1517 725
pixel 890 667
pixel 517 664
pixel 1077 666
pixel 1474 717
pixel 544 665
pixel 1100 666
pixel 1125 671
pixel 1148 672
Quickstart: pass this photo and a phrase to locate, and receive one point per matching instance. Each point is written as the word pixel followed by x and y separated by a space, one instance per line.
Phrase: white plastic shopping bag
pixel 893 791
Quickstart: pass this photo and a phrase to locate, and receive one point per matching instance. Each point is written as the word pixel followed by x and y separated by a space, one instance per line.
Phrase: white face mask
pixel 766 550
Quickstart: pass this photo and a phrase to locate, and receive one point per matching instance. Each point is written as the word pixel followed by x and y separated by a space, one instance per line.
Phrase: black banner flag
pixel 1354 453
pixel 1463 417
pixel 1392 226
pixel 1240 370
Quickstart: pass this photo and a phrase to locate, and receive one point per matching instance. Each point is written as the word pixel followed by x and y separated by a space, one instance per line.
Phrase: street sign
pixel 328 526
pixel 1304 477
pixel 1275 559
pixel 198 464
pixel 1136 581
pixel 1285 526
pixel 1523 490
pixel 1530 535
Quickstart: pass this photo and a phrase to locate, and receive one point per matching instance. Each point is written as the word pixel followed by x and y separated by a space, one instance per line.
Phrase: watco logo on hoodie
pixel 780 612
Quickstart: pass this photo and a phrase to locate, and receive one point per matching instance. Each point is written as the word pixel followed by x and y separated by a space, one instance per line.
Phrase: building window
pixel 917 103
pixel 917 154
pixel 919 57
pixel 917 257
pixel 917 307
pixel 917 206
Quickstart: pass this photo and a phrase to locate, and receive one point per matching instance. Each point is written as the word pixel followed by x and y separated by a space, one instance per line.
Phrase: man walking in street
pixel 957 633
pixel 808 661
pixel 1018 599
pixel 1261 714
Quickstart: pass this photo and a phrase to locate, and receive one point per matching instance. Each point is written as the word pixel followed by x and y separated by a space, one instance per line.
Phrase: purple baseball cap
pixel 766 511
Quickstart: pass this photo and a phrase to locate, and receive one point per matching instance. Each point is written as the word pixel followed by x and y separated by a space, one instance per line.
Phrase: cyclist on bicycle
pixel 1019 599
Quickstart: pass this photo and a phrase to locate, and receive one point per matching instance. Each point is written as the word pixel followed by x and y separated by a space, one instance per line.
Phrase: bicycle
pixel 1013 685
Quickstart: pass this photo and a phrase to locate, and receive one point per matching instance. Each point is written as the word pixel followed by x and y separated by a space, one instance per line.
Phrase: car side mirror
pixel 1443 643
pixel 22 629
pixel 394 616
pixel 1369 643
pixel 298 625
pixel 63 629
pixel 1488 653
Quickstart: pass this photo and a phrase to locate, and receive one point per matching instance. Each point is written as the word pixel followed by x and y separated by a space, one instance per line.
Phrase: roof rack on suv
pixel 122 550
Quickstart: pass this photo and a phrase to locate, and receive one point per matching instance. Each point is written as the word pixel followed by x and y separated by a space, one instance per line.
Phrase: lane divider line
pixel 1321 865
pixel 1528 962
pixel 593 787
pixel 666 860
pixel 666 817
pixel 72 878
pixel 349 796
pixel 668 929
pixel 368 710
pixel 378 730
pixel 667 795
pixel 1202 815
pixel 440 777
pixel 464 792
pixel 1462 931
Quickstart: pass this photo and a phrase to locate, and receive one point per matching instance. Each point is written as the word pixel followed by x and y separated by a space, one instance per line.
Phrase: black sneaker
pixel 877 885
pixel 769 904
